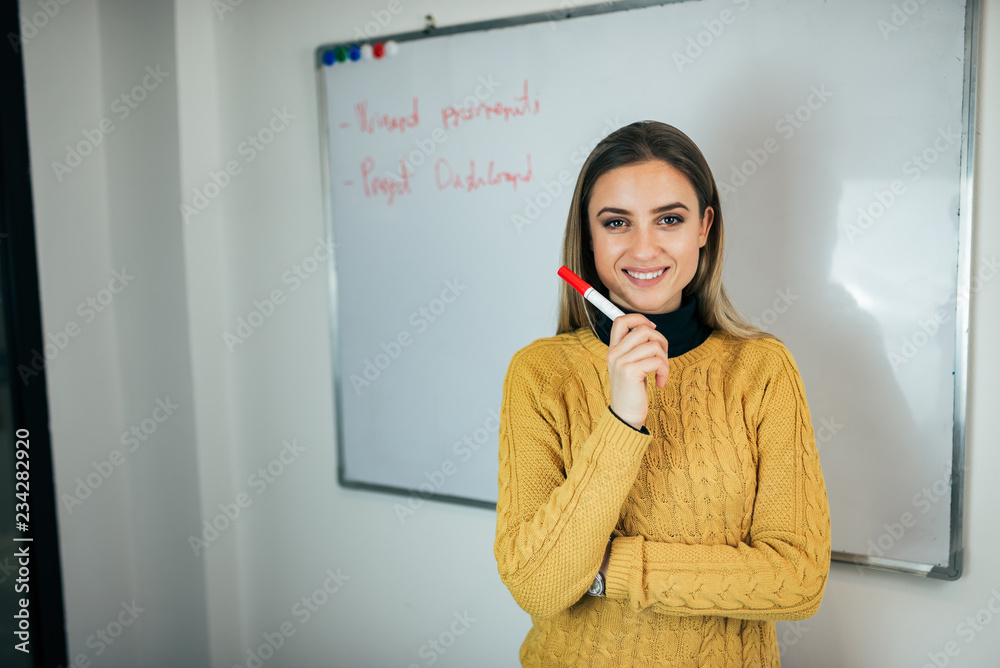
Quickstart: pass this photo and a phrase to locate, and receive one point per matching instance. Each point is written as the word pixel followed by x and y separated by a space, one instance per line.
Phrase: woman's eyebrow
pixel 659 209
pixel 669 207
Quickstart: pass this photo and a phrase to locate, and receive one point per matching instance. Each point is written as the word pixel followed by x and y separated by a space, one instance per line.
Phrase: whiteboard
pixel 838 134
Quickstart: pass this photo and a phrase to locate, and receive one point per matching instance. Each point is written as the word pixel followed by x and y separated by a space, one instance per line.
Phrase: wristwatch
pixel 597 589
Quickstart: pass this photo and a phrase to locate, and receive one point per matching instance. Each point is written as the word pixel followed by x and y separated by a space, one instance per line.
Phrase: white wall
pixel 162 336
pixel 116 211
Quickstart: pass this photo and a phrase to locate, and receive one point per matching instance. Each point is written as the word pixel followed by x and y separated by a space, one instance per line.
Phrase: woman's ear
pixel 706 225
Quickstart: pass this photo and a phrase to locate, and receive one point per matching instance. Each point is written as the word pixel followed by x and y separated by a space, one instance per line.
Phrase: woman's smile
pixel 645 278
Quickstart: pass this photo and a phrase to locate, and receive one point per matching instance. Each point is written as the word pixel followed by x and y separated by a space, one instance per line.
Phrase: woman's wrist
pixel 641 426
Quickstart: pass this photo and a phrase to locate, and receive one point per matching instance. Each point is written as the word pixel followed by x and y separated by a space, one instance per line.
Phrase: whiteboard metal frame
pixel 973 20
pixel 506 22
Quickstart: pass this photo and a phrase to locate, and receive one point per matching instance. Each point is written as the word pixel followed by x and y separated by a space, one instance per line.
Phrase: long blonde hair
pixel 636 143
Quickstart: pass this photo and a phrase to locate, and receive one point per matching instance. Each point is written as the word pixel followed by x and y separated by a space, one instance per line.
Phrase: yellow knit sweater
pixel 719 515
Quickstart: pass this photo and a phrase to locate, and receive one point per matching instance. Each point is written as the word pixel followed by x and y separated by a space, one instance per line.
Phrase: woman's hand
pixel 631 357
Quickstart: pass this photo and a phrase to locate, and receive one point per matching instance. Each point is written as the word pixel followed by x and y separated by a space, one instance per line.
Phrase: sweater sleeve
pixel 781 573
pixel 552 524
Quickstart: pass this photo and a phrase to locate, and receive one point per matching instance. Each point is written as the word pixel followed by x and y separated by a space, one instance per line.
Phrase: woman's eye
pixel 618 223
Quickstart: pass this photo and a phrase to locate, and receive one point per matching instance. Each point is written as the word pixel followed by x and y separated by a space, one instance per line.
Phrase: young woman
pixel 660 495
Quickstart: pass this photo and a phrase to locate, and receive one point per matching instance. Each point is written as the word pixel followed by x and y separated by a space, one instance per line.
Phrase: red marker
pixel 590 294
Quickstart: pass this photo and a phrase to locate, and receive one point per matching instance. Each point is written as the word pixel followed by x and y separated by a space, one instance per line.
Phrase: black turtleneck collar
pixel 682 328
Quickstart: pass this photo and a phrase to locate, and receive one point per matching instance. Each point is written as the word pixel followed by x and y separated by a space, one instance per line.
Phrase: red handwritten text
pixel 384 185
pixel 369 122
pixel 446 176
pixel 524 107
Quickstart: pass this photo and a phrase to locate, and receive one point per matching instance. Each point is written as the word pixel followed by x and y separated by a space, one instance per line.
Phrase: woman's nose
pixel 643 242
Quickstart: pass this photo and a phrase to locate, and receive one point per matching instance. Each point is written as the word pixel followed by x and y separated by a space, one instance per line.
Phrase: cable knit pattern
pixel 719 515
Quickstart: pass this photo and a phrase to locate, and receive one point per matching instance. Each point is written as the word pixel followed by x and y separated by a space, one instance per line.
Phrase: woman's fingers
pixel 622 324
pixel 651 351
pixel 623 340
pixel 647 358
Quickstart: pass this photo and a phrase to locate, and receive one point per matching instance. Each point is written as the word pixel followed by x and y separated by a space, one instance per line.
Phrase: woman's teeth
pixel 645 276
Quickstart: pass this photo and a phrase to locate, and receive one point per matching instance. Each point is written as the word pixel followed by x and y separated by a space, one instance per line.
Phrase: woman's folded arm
pixel 780 571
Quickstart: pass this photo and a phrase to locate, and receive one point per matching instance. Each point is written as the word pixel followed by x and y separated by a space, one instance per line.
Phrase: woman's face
pixel 644 220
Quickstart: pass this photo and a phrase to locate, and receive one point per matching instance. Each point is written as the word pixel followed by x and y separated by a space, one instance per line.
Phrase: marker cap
pixel 578 283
